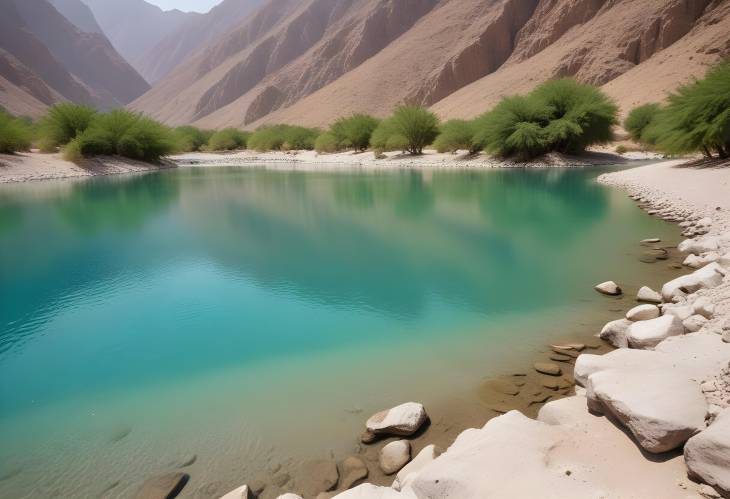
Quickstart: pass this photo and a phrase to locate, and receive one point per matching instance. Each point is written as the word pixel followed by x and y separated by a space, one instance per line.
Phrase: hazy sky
pixel 186 5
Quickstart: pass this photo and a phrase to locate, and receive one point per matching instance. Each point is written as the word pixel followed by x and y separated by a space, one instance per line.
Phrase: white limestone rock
pixel 694 323
pixel 696 262
pixel 403 420
pixel 394 455
pixel 588 364
pixel 643 313
pixel 614 332
pixel 704 307
pixel 289 495
pixel 608 288
pixel 648 295
pixel 709 276
pixel 707 454
pixel 681 312
pixel 661 408
pixel 698 246
pixel 409 472
pixel 370 491
pixel 241 492
pixel 648 334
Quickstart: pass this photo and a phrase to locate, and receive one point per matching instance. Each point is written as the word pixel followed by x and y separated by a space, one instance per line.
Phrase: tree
pixel 639 120
pixel 354 131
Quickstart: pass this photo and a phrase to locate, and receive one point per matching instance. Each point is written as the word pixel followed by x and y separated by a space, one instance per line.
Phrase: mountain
pixel 78 13
pixel 44 58
pixel 310 61
pixel 194 34
pixel 135 27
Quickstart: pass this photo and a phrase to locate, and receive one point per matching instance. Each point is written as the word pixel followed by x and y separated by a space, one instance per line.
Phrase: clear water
pixel 248 316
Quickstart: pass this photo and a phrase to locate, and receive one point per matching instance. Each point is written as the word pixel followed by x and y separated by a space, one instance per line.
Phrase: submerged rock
pixel 317 476
pixel 394 456
pixel 548 368
pixel 608 288
pixel 353 469
pixel 163 487
pixel 404 420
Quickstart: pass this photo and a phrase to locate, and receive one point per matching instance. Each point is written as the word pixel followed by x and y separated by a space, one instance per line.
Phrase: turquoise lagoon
pixel 250 316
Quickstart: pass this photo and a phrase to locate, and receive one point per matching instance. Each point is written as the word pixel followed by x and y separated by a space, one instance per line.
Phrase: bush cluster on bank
pixel 696 117
pixel 15 134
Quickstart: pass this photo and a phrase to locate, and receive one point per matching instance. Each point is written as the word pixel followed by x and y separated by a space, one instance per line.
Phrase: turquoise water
pixel 248 316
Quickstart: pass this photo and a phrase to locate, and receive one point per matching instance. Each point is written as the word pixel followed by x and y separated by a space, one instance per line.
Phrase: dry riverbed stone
pixel 394 456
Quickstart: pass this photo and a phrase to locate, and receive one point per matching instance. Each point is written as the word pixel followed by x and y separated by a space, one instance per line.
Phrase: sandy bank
pixel 22 167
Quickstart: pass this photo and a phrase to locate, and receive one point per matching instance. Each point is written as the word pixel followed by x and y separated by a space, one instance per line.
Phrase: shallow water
pixel 249 316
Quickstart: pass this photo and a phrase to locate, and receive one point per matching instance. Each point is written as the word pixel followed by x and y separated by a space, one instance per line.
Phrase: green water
pixel 248 316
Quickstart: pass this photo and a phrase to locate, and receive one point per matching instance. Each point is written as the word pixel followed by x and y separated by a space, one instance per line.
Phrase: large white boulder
pixel 289 495
pixel 696 262
pixel 648 295
pixel 643 313
pixel 394 455
pixel 707 454
pixel 694 323
pixel 588 363
pixel 680 311
pixel 411 470
pixel 698 246
pixel 704 307
pixel 608 288
pixel 404 420
pixel 614 332
pixel 648 334
pixel 370 491
pixel 662 408
pixel 241 492
pixel 708 276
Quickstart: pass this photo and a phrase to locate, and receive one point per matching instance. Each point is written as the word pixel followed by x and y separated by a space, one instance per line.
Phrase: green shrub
pixel 124 133
pixel 386 138
pixel 15 134
pixel 228 139
pixel 325 143
pixel 63 123
pixel 559 115
pixel 354 132
pixel 621 149
pixel 283 137
pixel 639 120
pixel 190 138
pixel 697 116
pixel 418 126
pixel 457 135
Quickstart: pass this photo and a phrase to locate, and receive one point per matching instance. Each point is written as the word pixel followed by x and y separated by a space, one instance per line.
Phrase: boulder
pixel 615 333
pixel 704 307
pixel 648 334
pixel 694 323
pixel 289 495
pixel 163 487
pixel 698 246
pixel 648 295
pixel 588 364
pixel 319 475
pixel 411 470
pixel 403 420
pixel 394 455
pixel 548 368
pixel 353 469
pixel 241 492
pixel 707 454
pixel 370 491
pixel 643 313
pixel 608 288
pixel 708 276
pixel 696 262
pixel 662 408
pixel 679 311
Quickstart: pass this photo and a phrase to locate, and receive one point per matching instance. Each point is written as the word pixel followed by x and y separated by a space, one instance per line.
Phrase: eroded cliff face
pixel 310 62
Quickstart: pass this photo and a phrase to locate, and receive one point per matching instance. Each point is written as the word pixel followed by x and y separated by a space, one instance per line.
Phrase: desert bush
pixel 385 137
pixel 418 126
pixel 354 131
pixel 228 139
pixel 190 138
pixel 639 120
pixel 124 133
pixel 15 134
pixel 456 135
pixel 283 137
pixel 697 116
pixel 559 115
pixel 63 123
pixel 621 149
pixel 326 142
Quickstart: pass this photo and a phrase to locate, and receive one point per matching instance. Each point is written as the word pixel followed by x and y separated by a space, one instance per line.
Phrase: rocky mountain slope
pixel 78 13
pixel 310 61
pixel 135 27
pixel 44 58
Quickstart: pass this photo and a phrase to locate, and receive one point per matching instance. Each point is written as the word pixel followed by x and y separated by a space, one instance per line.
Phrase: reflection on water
pixel 140 286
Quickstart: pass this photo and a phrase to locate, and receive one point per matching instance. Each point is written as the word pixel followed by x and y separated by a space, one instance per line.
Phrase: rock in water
pixel 615 333
pixel 548 368
pixel 317 476
pixel 643 313
pixel 394 456
pixel 707 454
pixel 651 240
pixel 648 334
pixel 163 487
pixel 241 492
pixel 404 420
pixel 411 470
pixel 608 288
pixel 353 469
pixel 648 295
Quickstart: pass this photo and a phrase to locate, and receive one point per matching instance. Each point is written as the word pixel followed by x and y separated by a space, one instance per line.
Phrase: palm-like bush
pixel 15 134
pixel 639 121
pixel 228 139
pixel 63 123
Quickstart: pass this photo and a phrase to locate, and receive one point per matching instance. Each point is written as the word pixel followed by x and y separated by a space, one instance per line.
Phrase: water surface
pixel 250 316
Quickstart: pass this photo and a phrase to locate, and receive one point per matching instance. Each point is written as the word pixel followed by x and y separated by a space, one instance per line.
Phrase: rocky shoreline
pixel 648 419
